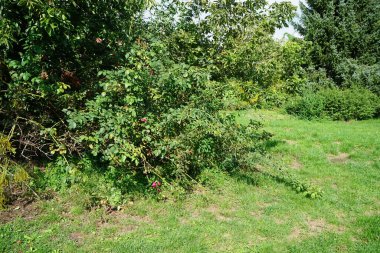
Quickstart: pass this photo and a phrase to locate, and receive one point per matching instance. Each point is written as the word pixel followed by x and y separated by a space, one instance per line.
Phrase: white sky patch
pixel 279 34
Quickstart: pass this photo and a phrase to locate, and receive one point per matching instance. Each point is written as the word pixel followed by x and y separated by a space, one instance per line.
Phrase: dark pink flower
pixel 143 120
pixel 99 40
pixel 154 184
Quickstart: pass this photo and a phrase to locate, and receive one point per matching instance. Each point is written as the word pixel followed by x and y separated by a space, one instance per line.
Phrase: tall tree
pixel 345 35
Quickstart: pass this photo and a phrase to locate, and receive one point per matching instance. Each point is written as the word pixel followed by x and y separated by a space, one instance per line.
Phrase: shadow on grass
pixel 251 178
pixel 272 143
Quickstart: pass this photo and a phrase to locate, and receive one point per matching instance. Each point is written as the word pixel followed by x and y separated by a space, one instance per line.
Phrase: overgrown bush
pixel 309 106
pixel 96 87
pixel 336 104
pixel 158 119
pixel 53 51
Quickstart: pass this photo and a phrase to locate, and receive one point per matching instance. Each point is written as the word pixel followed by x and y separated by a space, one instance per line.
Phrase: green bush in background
pixel 337 104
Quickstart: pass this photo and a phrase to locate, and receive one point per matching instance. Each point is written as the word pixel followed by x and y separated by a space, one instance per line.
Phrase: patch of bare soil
pixel 119 221
pixel 374 211
pixel 264 204
pixel 77 237
pixel 295 234
pixel 320 225
pixel 279 221
pixel 26 209
pixel 257 214
pixel 290 142
pixel 340 158
pixel 200 191
pixel 121 216
pixel 296 165
pixel 184 221
pixel 214 209
pixel 314 227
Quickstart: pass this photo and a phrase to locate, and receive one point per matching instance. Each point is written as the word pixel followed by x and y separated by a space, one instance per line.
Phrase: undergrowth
pixel 13 177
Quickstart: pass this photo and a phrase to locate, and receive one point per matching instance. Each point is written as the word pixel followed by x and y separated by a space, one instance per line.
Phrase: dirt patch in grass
pixel 221 217
pixel 290 142
pixel 340 158
pixel 25 209
pixel 184 221
pixel 121 216
pixel 313 228
pixel 120 222
pixel 295 234
pixel 77 237
pixel 320 225
pixel 117 226
pixel 125 229
pixel 257 214
pixel 296 165
pixel 372 212
pixel 263 204
pixel 215 210
pixel 279 221
pixel 316 226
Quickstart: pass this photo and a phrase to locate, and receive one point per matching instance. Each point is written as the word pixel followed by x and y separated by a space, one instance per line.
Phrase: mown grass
pixel 237 213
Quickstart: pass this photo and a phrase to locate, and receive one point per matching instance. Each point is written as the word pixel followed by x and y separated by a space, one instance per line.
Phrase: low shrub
pixel 246 94
pixel 13 177
pixel 353 103
pixel 309 106
pixel 353 73
pixel 336 104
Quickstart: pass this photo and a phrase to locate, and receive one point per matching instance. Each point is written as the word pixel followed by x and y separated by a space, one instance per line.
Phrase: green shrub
pixel 155 109
pixel 235 95
pixel 354 103
pixel 156 119
pixel 53 50
pixel 353 73
pixel 309 106
pixel 13 177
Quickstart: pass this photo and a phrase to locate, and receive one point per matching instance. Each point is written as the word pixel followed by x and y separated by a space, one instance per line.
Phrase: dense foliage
pixel 101 86
pixel 336 104
pixel 13 177
pixel 345 36
pixel 53 50
pixel 119 94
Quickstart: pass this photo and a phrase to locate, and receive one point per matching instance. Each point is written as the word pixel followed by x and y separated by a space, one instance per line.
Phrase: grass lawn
pixel 250 213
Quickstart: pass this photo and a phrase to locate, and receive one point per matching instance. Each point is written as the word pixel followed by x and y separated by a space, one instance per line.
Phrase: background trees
pixel 345 37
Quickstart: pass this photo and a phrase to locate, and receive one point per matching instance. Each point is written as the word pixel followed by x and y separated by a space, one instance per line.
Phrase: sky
pixel 281 32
